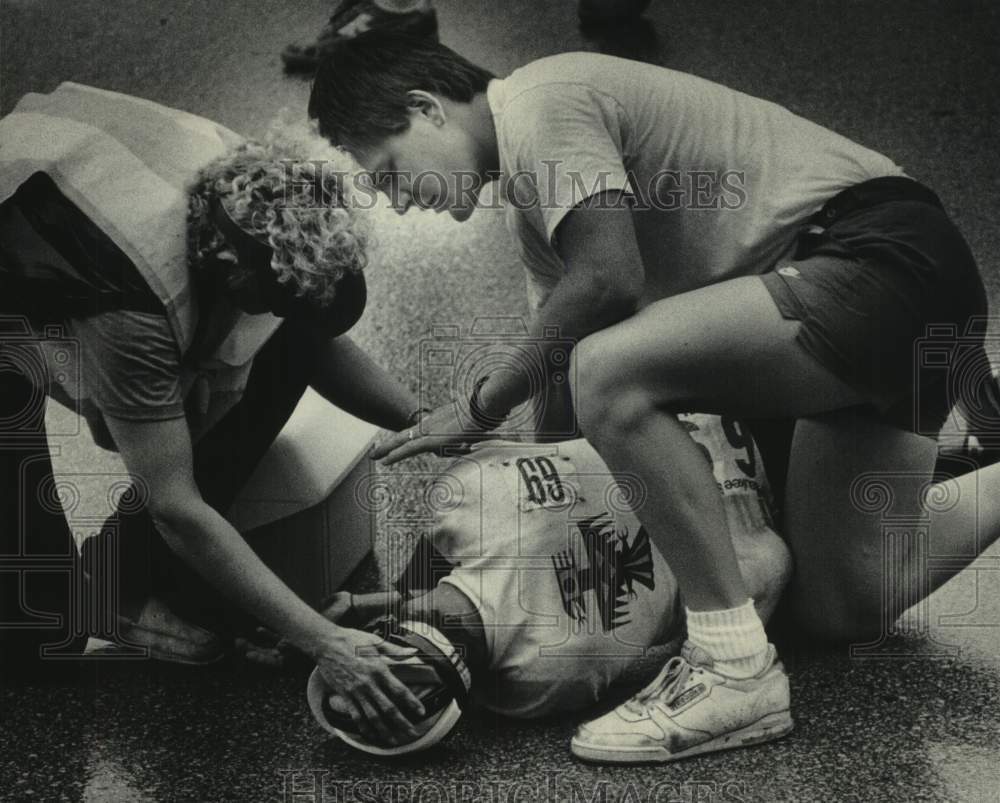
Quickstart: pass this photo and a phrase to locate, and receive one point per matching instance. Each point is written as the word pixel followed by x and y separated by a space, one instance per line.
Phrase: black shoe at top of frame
pixel 602 13
pixel 354 17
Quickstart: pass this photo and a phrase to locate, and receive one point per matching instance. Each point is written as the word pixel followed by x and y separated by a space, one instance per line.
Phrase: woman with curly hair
pixel 270 193
pixel 180 288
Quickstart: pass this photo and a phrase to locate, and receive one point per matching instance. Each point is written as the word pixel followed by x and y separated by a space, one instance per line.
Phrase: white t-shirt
pixel 720 180
pixel 568 585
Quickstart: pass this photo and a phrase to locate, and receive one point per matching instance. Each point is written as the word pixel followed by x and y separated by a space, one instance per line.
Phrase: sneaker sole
pixel 768 728
pixel 112 650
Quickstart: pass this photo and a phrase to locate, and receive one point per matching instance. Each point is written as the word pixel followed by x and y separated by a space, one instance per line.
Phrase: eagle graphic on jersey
pixel 614 567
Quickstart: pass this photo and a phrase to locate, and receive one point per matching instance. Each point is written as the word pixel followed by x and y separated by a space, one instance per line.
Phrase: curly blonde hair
pixel 297 205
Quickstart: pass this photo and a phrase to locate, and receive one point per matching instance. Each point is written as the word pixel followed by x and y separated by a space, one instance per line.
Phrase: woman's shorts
pixel 891 301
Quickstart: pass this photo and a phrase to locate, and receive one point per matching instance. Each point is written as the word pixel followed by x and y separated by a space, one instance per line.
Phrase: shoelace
pixel 667 685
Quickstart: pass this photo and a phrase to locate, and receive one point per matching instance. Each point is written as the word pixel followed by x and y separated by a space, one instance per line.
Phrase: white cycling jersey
pixel 570 588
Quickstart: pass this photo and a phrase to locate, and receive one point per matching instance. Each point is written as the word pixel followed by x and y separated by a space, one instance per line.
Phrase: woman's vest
pixel 127 164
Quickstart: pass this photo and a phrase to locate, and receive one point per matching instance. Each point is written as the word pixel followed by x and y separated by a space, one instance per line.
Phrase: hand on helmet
pixel 355 666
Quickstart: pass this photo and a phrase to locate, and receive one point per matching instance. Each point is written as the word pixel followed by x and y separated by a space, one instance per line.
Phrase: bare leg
pixel 720 348
pixel 854 483
pixel 726 348
pixel 764 558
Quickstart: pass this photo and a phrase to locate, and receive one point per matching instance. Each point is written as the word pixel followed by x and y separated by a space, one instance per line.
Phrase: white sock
pixel 735 638
pixel 402 6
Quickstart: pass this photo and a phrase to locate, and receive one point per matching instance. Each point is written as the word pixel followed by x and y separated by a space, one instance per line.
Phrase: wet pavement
pixel 920 728
pixel 914 719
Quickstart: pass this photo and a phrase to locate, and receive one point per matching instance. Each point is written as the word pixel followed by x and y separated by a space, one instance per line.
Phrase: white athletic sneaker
pixel 688 709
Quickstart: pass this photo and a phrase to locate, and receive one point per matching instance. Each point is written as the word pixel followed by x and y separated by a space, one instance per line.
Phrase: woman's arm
pixel 159 453
pixel 348 377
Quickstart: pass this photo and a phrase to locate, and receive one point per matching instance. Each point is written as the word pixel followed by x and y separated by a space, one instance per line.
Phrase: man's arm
pixel 603 284
pixel 159 453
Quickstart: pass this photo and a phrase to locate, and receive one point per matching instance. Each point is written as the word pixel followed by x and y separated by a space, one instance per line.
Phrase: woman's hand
pixel 355 666
pixel 442 431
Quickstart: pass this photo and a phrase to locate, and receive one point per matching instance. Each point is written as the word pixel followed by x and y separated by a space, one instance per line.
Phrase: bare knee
pixel 609 397
pixel 843 606
pixel 855 588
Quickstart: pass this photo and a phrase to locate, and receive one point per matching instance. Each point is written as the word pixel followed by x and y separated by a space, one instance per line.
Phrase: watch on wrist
pixel 483 419
pixel 414 418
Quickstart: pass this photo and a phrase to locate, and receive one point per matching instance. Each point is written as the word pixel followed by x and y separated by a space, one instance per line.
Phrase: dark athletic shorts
pixel 890 300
